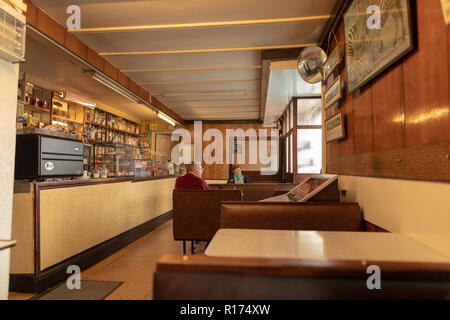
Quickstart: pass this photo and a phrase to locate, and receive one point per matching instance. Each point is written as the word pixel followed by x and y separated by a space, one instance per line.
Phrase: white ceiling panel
pixel 232 85
pixel 214 103
pixel 187 60
pixel 212 75
pixel 204 38
pixel 277 25
pixel 111 13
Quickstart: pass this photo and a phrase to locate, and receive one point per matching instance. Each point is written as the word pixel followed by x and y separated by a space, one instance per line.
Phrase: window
pixel 309 112
pixel 309 135
pixel 302 134
pixel 309 150
pixel 287 154
pixel 291 153
pixel 291 115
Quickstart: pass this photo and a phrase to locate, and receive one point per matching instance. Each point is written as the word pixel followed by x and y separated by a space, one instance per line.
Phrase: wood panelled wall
pixel 51 28
pixel 398 125
pixel 222 171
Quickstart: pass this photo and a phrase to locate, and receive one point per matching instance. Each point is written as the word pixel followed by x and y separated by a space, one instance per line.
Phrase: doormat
pixel 90 290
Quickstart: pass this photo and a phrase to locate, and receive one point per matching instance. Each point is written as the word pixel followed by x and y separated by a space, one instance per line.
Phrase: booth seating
pixel 256 191
pixel 196 213
pixel 261 191
pixel 201 277
pixel 324 216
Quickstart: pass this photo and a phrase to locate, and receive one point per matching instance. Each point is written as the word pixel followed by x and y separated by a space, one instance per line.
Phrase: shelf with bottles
pixel 66 110
pixel 33 96
pixel 34 107
pixel 122 125
pixel 33 104
pixel 68 126
pixel 96 117
pixel 94 133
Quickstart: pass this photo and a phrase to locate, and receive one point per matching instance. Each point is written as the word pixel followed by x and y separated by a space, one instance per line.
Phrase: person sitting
pixel 237 176
pixel 192 179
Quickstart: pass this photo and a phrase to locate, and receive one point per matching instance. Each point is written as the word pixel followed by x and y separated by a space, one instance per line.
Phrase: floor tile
pixel 131 291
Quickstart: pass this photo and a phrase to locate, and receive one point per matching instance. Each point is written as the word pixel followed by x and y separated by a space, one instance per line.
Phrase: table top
pixel 320 245
pixel 5 244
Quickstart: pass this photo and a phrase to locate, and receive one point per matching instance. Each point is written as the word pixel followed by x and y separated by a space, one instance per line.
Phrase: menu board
pixel 306 190
pixel 310 187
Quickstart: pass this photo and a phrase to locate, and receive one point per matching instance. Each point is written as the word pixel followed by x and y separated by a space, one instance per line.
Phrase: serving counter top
pixel 81 182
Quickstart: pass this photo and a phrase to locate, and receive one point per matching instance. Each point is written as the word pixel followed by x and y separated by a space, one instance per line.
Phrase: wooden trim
pixel 425 163
pixel 191 69
pixel 90 182
pixel 193 82
pixel 210 50
pixel 200 24
pixel 38 283
pixel 304 268
pixel 76 46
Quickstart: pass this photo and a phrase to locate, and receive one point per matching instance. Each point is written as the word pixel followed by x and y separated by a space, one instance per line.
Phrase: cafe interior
pixel 335 112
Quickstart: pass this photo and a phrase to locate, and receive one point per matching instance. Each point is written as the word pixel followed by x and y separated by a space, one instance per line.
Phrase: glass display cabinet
pixel 117 158
pixel 143 164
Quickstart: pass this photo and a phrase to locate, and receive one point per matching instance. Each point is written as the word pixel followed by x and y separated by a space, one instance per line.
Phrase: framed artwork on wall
pixel 377 34
pixel 334 128
pixel 333 60
pixel 333 94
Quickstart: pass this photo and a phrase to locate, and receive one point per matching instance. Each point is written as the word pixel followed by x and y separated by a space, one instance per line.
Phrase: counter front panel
pixel 60 220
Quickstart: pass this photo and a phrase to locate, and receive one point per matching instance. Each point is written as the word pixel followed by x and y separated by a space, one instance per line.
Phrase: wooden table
pixel 5 244
pixel 318 245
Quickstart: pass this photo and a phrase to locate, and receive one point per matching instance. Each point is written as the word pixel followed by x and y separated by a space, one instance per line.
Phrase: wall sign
pixel 334 93
pixel 333 60
pixel 371 48
pixel 334 128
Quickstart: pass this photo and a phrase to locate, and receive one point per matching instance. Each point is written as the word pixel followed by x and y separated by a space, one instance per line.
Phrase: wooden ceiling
pixel 201 58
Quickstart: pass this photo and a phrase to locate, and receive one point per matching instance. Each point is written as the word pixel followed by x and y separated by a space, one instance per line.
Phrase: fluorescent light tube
pixel 77 99
pixel 108 83
pixel 166 118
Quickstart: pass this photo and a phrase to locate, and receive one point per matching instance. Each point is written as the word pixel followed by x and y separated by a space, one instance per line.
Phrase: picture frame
pixel 333 93
pixel 332 62
pixel 371 49
pixel 334 128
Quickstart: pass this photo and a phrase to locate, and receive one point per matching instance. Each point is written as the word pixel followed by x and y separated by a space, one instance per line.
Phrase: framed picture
pixel 333 94
pixel 377 34
pixel 334 128
pixel 333 60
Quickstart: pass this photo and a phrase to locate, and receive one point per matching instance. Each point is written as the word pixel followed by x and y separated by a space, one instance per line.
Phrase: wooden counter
pixel 81 222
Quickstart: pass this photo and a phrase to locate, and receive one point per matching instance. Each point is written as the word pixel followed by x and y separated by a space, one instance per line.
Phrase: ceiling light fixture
pixel 77 99
pixel 113 86
pixel 166 118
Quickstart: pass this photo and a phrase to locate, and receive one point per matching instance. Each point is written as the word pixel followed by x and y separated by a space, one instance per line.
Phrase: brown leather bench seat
pixel 292 216
pixel 196 213
pixel 201 277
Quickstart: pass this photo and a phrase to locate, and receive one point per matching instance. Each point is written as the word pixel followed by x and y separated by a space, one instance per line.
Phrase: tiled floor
pixel 134 265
